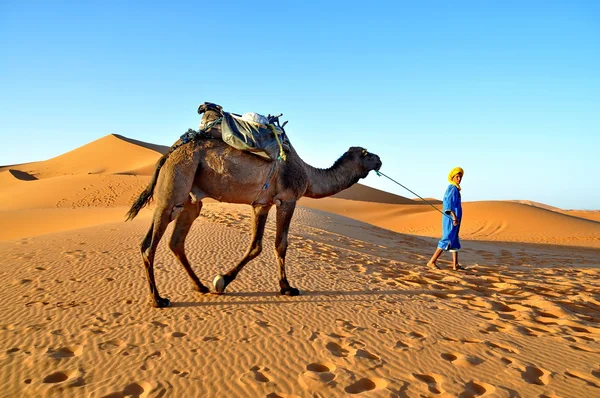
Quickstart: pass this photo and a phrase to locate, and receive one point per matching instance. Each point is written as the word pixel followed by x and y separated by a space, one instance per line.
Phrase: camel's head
pixel 367 160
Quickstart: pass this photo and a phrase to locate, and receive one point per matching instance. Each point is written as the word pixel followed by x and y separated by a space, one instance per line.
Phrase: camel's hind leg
pixel 259 220
pixel 183 224
pixel 172 192
pixel 162 218
pixel 285 211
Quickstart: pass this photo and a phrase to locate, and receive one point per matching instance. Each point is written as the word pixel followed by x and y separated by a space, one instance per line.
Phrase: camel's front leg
pixel 259 219
pixel 285 211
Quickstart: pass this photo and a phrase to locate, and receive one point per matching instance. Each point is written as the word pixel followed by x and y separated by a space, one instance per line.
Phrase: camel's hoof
pixel 219 284
pixel 290 291
pixel 201 289
pixel 161 303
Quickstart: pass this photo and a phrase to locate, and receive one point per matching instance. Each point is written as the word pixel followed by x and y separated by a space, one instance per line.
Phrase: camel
pixel 210 168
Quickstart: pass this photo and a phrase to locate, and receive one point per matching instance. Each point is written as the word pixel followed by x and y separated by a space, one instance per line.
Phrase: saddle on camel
pixel 267 171
pixel 252 132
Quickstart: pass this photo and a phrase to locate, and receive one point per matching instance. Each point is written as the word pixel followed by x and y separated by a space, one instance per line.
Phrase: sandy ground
pixel 371 320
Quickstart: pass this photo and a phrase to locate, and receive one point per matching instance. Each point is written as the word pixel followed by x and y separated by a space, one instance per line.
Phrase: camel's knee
pixel 255 251
pixel 195 194
pixel 175 245
pixel 176 211
pixel 281 248
pixel 144 248
pixel 147 256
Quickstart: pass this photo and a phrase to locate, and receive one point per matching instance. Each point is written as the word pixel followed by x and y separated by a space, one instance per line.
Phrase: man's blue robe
pixel 450 240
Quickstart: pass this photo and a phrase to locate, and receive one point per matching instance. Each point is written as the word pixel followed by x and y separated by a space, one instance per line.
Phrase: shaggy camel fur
pixel 211 168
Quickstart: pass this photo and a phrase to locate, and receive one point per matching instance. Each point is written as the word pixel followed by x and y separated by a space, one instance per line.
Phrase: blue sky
pixel 509 90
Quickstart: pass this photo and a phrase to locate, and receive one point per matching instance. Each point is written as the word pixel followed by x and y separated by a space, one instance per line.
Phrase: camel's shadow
pixel 275 298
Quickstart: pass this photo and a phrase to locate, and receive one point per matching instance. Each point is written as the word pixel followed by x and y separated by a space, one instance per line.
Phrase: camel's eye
pixel 364 152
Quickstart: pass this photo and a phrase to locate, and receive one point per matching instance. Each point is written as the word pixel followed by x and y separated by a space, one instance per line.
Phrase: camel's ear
pixel 359 151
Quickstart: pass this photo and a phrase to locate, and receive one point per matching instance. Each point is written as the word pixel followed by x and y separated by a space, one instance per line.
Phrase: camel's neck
pixel 327 182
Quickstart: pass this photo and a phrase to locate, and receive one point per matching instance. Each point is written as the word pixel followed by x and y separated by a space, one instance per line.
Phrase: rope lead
pixel 379 173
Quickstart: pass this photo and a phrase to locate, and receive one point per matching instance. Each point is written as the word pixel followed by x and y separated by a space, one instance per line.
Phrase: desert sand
pixel 522 321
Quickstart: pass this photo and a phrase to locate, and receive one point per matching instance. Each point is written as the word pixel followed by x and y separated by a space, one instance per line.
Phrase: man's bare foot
pixel 432 265
pixel 458 267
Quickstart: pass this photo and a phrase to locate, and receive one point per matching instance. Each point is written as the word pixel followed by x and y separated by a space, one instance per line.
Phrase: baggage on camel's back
pixel 252 132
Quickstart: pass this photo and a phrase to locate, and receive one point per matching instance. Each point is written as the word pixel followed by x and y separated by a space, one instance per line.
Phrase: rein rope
pixel 281 151
pixel 267 181
pixel 379 173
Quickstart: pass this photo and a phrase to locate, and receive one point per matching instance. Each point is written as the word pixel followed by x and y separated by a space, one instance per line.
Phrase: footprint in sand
pixel 339 351
pixel 281 395
pixel 581 376
pixel 211 338
pixel 366 384
pixel 493 326
pixel 339 336
pixel 401 345
pixel 430 381
pixel 502 347
pixel 149 361
pixel 73 377
pixel 56 377
pixel 416 336
pixel 506 361
pixel 582 348
pixel 535 375
pixel 461 360
pixel 180 373
pixel 364 354
pixel 318 375
pixel 477 389
pixel 136 389
pixel 255 374
pixel 65 352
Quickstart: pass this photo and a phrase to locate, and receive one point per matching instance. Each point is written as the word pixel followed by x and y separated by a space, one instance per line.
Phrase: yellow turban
pixel 453 172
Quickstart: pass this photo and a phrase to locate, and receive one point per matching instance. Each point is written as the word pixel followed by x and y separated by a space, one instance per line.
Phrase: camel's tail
pixel 146 195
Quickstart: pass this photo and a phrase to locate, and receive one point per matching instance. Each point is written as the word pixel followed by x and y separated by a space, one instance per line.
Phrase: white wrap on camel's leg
pixel 219 284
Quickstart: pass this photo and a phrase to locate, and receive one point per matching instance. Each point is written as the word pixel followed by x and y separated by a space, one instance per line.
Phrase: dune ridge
pixel 111 171
pixel 107 155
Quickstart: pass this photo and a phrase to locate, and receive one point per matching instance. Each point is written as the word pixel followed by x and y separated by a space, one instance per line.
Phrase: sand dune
pixel 593 215
pixel 109 154
pixel 372 320
pixel 367 194
pixel 111 171
pixel 493 221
